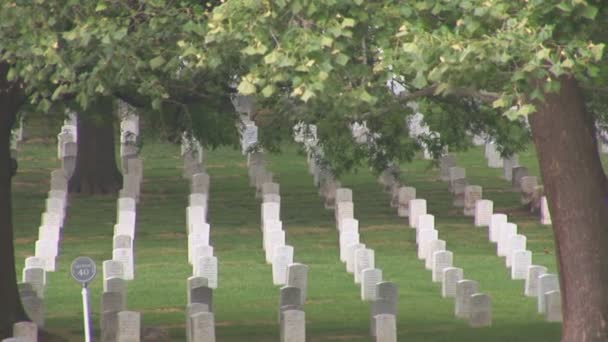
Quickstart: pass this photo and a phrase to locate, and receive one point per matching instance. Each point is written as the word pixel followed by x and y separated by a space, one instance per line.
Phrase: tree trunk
pixel 96 171
pixel 576 187
pixel 11 310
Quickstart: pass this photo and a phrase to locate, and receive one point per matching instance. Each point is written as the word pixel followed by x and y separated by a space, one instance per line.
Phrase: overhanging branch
pixel 484 96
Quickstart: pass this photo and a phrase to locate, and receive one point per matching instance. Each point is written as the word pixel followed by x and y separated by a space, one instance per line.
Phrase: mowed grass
pixel 246 300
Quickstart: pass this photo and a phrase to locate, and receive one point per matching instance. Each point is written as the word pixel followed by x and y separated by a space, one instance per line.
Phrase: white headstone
pixel 553 306
pixel 112 268
pixel 496 220
pixel 203 327
pixel 47 250
pixel 441 261
pixel 472 194
pixel 297 276
pixel 405 195
pixel 464 289
pixel 128 326
pixel 417 207
pixel 520 261
pixel 386 328
pixel 369 278
pixel 364 258
pixel 531 286
pixel 350 256
pixel 282 257
pixel 505 231
pixel 516 242
pixel 480 310
pixel 483 213
pixel 195 216
pixel 450 276
pixel 125 255
pixel 430 248
pixel 273 239
pixel 208 268
pixel 546 282
pixel 293 326
pixel 346 239
pixel 423 237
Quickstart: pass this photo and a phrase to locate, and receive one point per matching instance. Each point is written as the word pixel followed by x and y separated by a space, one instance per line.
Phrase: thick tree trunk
pixel 11 309
pixel 96 171
pixel 576 187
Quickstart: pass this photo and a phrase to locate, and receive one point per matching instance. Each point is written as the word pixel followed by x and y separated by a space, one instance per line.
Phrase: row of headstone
pixel 512 246
pixel 193 156
pixel 200 317
pixel 466 195
pixel 116 323
pixel 292 277
pixel 359 260
pixel 469 304
pixel 46 248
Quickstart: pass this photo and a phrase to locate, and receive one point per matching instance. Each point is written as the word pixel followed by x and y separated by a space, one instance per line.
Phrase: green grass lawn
pixel 246 300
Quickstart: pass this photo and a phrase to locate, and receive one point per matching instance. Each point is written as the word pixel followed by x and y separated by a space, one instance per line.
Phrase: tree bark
pixel 576 187
pixel 96 171
pixel 11 310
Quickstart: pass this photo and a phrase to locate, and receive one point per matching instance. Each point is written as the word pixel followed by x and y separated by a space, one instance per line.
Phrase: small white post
pixel 85 312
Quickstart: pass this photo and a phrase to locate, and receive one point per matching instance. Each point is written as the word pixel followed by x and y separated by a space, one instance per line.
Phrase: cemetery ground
pixel 245 302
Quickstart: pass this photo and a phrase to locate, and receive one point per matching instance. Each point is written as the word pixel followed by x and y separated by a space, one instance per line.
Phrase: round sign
pixel 83 269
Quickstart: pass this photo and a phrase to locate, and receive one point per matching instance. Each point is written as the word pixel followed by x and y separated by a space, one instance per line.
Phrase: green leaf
pixel 342 59
pixel 157 62
pixel 268 90
pixel 246 87
pixel 348 22
pixel 589 12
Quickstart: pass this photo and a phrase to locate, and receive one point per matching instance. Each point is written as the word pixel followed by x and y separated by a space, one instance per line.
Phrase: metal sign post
pixel 83 271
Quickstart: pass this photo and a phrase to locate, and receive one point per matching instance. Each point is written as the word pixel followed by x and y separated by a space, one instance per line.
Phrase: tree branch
pixel 484 96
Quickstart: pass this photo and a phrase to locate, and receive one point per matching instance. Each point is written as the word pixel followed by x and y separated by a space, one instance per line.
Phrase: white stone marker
pixel 364 258
pixel 297 276
pixel 545 216
pixel 274 239
pixel 520 261
pixel 464 289
pixel 348 225
pixel 516 242
pixel 480 310
pixel 26 331
pixel 472 194
pixel 508 165
pixel 546 282
pixel 193 241
pixel 199 252
pixel 347 239
pixel 406 194
pixel 271 211
pixel 450 276
pixel 422 238
pixel 195 216
pixel 203 327
pixel 125 204
pixel 35 262
pixel 282 257
pixel 198 200
pixel 126 217
pixel 52 219
pixel 344 195
pixel 496 220
pixel 441 260
pixel 344 210
pixel 122 241
pixel 430 248
pixel 553 306
pixel 505 231
pixel 47 250
pixel 350 256
pixel 112 268
pixel 417 207
pixel 531 286
pixel 386 328
pixel 426 221
pixel 369 278
pixel 128 326
pixel 483 213
pixel 207 268
pixel 124 229
pixel 293 326
pixel 125 255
